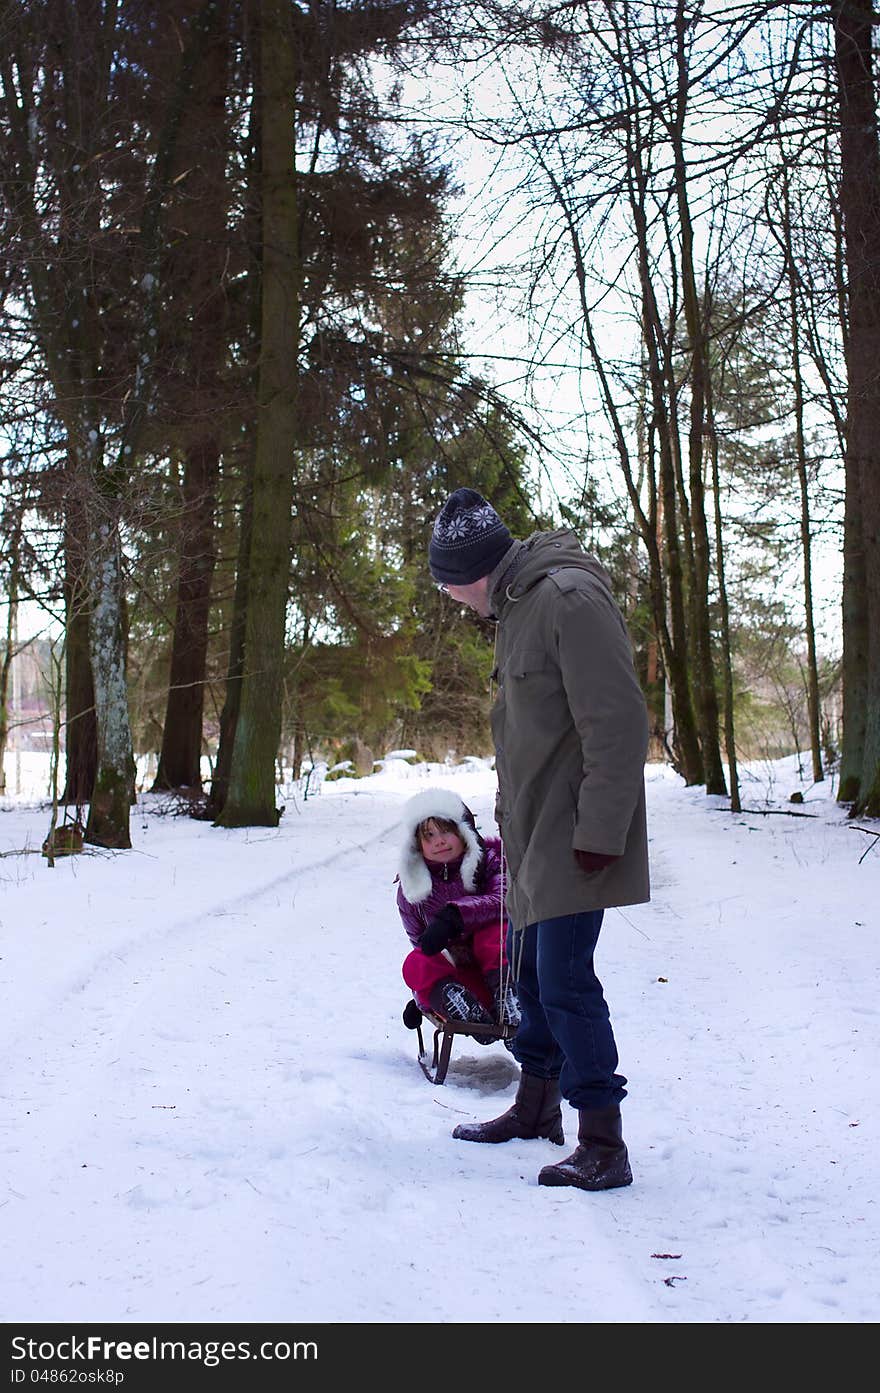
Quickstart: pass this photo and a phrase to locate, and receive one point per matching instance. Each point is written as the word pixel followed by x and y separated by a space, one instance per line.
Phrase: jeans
pixel 566 1030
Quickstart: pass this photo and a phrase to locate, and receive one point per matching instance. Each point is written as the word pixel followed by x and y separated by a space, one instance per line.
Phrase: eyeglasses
pixel 444 589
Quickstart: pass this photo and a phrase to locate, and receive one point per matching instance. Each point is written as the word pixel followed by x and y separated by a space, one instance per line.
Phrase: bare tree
pixel 860 201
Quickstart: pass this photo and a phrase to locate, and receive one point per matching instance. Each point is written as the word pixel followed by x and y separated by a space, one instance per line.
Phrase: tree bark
pixel 70 327
pixel 80 730
pixel 854 672
pixel 109 808
pixel 860 201
pixel 251 797
pixel 706 695
pixel 201 217
pixel 9 653
pixel 662 532
pixel 181 751
pixel 726 656
pixel 235 667
pixel 814 712
pixel 675 649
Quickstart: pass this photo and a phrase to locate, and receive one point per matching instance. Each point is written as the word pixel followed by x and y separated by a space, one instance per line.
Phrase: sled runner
pixel 444 1034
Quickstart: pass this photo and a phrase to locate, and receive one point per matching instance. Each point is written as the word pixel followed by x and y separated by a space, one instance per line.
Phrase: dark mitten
pixel 591 861
pixel 443 928
pixel 412 1016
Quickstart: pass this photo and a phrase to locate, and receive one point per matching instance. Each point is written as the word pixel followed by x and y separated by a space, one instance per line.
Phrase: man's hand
pixel 443 928
pixel 591 861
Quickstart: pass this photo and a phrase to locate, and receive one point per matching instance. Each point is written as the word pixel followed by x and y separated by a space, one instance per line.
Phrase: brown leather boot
pixel 535 1113
pixel 600 1161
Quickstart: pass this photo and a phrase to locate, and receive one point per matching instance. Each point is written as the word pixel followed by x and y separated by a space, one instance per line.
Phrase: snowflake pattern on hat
pixel 464 526
pixel 468 540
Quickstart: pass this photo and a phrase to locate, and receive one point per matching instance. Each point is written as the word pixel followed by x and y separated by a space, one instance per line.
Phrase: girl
pixel 449 897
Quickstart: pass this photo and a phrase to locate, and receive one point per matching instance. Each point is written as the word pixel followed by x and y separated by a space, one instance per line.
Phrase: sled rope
pixel 501 971
pixel 513 966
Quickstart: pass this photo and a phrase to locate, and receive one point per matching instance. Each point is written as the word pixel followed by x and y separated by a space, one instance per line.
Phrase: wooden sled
pixel 444 1034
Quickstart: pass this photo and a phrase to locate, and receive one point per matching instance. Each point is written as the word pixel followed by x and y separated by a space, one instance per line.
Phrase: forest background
pixel 279 277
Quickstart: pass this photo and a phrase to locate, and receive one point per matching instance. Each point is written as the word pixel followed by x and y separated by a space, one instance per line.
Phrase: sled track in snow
pixel 129 950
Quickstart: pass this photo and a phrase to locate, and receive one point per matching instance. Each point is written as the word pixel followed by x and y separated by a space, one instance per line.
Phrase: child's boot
pixel 504 999
pixel 453 1001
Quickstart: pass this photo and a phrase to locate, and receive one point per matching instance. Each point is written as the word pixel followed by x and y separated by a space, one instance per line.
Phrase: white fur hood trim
pixel 415 878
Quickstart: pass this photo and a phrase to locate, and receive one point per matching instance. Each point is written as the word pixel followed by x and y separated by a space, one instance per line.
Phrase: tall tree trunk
pixel 673 634
pixel 9 648
pixel 251 798
pixel 71 328
pixel 181 752
pixel 671 627
pixel 108 823
pixel 726 656
pixel 675 661
pixel 803 480
pixel 706 695
pixel 235 667
pixel 860 201
pixel 854 675
pixel 235 664
pixel 80 726
pixel 201 217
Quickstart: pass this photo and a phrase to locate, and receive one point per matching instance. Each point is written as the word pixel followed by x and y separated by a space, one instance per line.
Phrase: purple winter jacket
pixel 447 887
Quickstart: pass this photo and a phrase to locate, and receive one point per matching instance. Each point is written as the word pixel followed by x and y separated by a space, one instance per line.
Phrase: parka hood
pixel 538 556
pixel 412 870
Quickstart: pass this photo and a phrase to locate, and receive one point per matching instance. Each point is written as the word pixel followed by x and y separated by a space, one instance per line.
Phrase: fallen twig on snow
pixel 854 827
pixel 764 812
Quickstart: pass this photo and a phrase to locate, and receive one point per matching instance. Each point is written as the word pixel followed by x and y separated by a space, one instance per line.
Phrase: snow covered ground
pixel 212 1112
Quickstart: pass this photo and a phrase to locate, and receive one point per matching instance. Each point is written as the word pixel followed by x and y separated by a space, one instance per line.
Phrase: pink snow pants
pixel 421 973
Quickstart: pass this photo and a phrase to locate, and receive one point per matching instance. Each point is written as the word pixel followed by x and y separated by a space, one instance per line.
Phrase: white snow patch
pixel 212 1110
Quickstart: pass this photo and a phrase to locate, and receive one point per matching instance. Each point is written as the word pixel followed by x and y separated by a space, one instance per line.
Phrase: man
pixel 571 735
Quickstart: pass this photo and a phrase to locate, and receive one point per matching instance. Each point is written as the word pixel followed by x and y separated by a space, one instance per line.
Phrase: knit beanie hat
pixel 468 541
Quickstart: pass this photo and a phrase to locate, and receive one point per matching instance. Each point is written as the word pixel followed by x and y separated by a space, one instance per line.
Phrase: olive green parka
pixel 571 733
